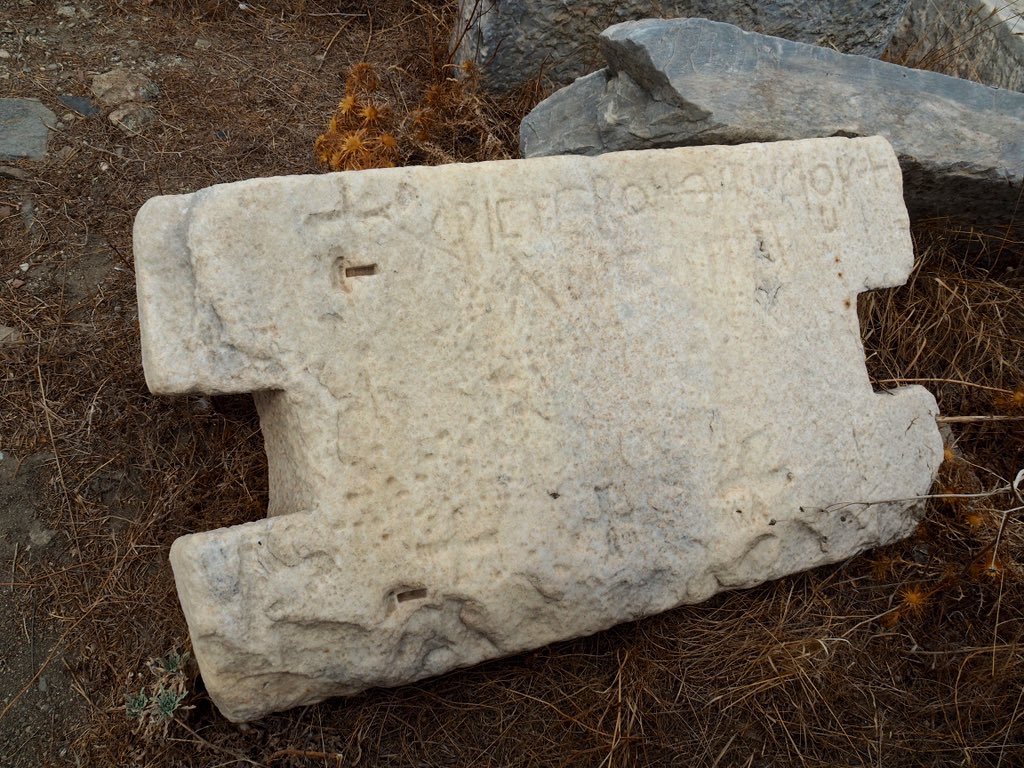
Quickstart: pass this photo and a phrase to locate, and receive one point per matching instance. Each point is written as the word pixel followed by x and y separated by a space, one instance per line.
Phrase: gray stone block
pixel 24 129
pixel 514 41
pixel 692 81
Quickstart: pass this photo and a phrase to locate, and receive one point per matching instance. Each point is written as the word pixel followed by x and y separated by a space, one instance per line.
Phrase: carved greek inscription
pixel 768 265
pixel 851 165
pixel 822 179
pixel 634 199
pixel 694 188
pixel 462 230
pixel 829 217
pixel 767 294
pixel 516 217
pixel 570 202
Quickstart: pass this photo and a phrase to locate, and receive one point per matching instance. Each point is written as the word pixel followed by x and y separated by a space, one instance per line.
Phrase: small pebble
pixel 41 536
pixel 24 266
pixel 4 54
pixel 11 172
pixel 16 283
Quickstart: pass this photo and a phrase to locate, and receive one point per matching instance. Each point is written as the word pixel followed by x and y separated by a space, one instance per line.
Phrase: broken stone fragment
pixel 512 42
pixel 9 335
pixel 119 86
pixel 25 126
pixel 692 81
pixel 80 104
pixel 515 402
pixel 132 118
pixel 10 172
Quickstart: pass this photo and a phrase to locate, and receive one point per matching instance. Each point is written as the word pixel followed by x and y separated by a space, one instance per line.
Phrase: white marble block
pixel 514 402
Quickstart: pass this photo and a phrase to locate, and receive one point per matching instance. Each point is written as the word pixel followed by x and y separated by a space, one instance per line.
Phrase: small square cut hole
pixel 411 594
pixel 364 271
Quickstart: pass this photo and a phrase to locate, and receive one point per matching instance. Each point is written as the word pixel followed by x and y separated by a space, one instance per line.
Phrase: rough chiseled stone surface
pixel 25 126
pixel 514 402
pixel 514 41
pixel 982 40
pixel 672 83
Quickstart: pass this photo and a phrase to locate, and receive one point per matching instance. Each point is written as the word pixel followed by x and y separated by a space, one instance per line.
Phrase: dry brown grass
pixel 904 657
pixel 964 31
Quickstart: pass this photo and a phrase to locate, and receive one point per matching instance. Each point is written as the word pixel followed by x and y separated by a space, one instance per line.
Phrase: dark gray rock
pixel 25 126
pixel 514 41
pixel 688 82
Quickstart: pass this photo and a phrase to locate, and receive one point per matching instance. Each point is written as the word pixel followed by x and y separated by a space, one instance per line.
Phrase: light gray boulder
pixel 514 41
pixel 515 402
pixel 693 81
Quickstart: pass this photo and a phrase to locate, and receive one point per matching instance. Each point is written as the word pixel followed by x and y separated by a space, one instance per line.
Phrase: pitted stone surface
pixel 679 82
pixel 514 41
pixel 514 402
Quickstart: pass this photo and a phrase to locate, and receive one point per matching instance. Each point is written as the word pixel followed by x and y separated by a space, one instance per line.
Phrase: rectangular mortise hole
pixel 411 594
pixel 364 271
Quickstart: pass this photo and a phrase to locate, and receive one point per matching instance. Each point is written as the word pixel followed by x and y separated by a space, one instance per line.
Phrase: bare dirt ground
pixel 905 657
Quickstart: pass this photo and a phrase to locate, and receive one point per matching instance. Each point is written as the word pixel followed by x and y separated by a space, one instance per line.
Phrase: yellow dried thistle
pixel 974 519
pixel 388 144
pixel 348 105
pixel 361 78
pixel 987 567
pixel 354 144
pixel 914 599
pixel 371 114
pixel 883 566
pixel 1012 402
